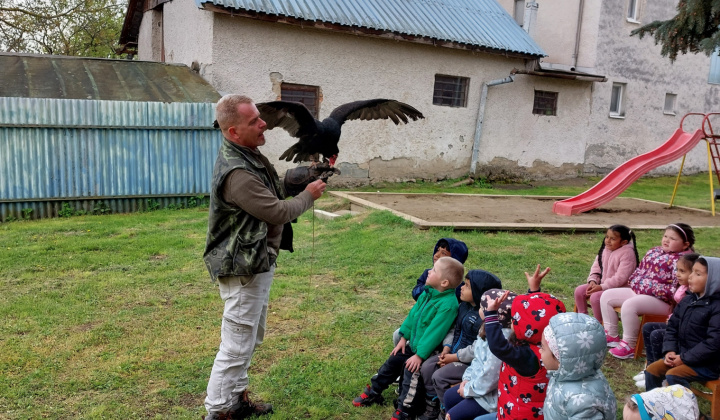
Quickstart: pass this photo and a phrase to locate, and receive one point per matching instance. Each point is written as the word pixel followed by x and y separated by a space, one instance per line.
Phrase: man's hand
pixel 400 346
pixel 316 188
pixel 536 278
pixel 494 304
pixel 298 179
pixel 413 363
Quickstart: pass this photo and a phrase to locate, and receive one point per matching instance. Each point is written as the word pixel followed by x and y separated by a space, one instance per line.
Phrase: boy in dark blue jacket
pixel 445 247
pixel 441 372
pixel 692 337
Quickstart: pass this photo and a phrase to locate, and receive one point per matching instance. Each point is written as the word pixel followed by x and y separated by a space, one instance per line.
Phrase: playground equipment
pixel 614 183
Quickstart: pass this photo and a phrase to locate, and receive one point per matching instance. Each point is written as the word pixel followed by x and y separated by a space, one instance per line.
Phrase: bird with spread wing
pixel 321 137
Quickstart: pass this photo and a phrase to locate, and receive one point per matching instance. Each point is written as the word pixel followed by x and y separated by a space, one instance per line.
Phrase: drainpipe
pixel 481 116
pixel 577 35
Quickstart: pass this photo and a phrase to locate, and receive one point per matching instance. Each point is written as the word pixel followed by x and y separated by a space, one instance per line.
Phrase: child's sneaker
pixel 640 384
pixel 400 415
pixel 639 377
pixel 368 398
pixel 612 341
pixel 623 351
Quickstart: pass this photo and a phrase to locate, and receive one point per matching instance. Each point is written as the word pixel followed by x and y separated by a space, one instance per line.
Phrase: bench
pixel 713 396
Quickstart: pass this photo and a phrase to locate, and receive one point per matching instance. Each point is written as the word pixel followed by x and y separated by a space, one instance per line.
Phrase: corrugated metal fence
pixel 59 156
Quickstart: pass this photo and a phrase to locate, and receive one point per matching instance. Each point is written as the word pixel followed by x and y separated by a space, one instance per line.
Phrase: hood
pixel 458 249
pixel 713 279
pixel 581 345
pixel 532 313
pixel 480 282
pixel 673 402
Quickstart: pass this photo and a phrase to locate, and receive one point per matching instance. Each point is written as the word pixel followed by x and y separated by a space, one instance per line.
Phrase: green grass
pixel 115 317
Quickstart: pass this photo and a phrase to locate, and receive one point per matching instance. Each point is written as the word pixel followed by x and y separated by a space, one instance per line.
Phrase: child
pixel 573 350
pixel 692 337
pixel 521 388
pixel 653 332
pixel 421 332
pixel 441 371
pixel 671 403
pixel 477 394
pixel 615 262
pixel 445 247
pixel 651 290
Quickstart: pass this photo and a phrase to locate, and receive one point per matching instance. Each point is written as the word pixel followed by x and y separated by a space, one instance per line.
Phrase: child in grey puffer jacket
pixel 573 351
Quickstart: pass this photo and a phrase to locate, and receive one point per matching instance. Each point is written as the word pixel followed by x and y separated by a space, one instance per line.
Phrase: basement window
pixel 545 103
pixel 670 101
pixel 305 94
pixel 714 76
pixel 617 100
pixel 450 91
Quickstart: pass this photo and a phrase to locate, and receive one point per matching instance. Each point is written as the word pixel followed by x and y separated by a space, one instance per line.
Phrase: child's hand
pixel 536 278
pixel 494 304
pixel 400 346
pixel 593 288
pixel 673 359
pixel 413 363
pixel 461 389
pixel 445 351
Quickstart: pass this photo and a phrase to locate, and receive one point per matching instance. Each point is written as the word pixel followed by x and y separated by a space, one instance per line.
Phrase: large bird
pixel 321 137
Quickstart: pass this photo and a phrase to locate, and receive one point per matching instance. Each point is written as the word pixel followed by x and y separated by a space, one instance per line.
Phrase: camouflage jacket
pixel 236 241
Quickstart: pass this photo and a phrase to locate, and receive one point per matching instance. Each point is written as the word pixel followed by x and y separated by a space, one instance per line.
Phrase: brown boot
pixel 245 408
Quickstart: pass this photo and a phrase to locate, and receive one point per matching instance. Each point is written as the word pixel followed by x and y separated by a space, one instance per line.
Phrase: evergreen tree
pixel 695 28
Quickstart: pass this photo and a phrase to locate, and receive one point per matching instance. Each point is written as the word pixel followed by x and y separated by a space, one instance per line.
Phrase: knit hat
pixel 531 314
pixel 674 402
pixel 504 309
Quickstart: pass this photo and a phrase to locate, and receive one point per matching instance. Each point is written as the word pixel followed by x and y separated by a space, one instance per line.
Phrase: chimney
pixel 530 18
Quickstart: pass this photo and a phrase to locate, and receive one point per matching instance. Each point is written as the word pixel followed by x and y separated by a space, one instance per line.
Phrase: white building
pixel 586 96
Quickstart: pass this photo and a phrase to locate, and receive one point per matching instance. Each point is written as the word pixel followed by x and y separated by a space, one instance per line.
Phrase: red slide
pixel 624 175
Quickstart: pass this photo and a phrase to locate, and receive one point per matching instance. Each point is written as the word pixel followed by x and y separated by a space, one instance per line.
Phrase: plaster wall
pixel 150 36
pixel 349 68
pixel 648 77
pixel 556 29
pixel 185 32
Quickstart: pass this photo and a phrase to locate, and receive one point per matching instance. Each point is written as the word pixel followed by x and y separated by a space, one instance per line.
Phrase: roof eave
pixel 364 31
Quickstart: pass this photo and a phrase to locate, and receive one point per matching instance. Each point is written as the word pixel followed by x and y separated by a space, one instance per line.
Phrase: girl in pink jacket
pixel 615 262
pixel 652 286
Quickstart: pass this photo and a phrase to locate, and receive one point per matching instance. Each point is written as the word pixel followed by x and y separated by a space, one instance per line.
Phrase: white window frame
pixel 673 107
pixel 633 11
pixel 714 76
pixel 619 111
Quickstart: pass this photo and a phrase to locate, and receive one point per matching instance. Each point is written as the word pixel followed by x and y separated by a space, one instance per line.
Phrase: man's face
pixel 249 130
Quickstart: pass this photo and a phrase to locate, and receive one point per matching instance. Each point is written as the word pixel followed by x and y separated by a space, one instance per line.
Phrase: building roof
pixel 61 77
pixel 473 24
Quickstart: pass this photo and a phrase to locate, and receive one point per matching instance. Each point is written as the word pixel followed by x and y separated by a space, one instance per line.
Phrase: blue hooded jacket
pixel 458 250
pixel 468 320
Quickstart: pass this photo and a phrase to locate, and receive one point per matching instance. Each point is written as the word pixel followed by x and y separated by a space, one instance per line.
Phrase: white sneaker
pixel 640 385
pixel 639 377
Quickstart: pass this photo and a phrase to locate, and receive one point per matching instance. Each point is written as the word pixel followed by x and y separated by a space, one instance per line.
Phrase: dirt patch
pixel 470 211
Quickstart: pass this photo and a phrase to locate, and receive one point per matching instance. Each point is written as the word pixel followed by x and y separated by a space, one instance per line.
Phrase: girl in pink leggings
pixel 651 290
pixel 615 262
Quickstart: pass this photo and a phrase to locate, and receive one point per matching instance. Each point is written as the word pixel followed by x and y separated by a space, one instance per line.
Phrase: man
pixel 248 225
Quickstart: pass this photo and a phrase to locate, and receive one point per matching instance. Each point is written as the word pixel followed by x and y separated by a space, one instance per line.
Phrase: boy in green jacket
pixel 421 333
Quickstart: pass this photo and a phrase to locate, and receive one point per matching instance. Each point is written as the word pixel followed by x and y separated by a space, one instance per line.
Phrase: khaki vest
pixel 236 241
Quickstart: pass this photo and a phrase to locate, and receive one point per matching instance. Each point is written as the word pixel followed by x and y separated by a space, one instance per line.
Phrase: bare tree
pixel 88 28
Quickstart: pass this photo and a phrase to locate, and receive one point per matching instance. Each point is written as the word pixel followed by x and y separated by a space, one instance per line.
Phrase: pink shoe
pixel 623 351
pixel 612 341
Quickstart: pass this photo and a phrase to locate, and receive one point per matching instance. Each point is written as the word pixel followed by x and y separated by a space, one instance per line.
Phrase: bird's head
pixel 332 160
